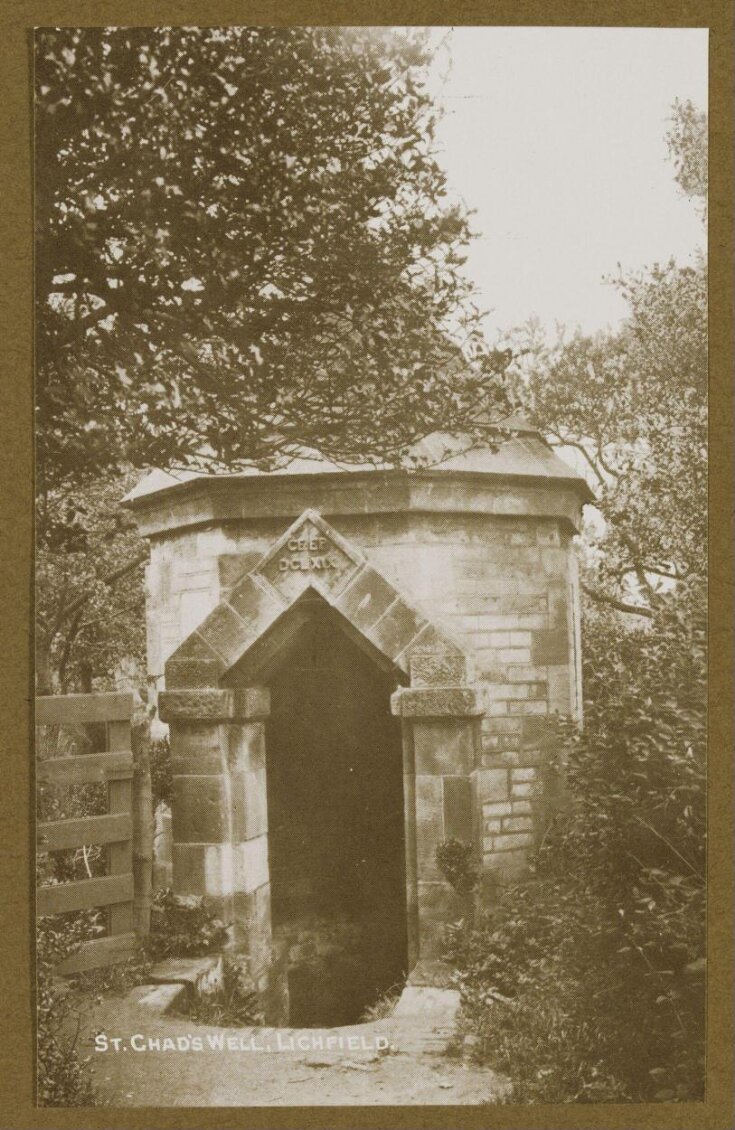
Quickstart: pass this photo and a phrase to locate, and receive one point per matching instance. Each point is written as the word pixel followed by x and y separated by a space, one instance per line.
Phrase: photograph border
pixel 16 463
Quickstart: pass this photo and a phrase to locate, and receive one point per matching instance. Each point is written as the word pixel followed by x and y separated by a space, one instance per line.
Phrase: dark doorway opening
pixel 335 823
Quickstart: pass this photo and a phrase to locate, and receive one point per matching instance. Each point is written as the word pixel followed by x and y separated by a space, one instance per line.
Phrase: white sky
pixel 556 137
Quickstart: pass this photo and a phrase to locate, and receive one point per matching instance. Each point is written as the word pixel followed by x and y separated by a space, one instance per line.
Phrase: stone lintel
pixel 437 702
pixel 214 704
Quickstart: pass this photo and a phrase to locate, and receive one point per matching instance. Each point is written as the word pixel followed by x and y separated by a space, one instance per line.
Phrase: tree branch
pixel 607 469
pixel 579 447
pixel 80 325
pixel 69 637
pixel 108 580
pixel 638 567
pixel 612 602
pixel 654 570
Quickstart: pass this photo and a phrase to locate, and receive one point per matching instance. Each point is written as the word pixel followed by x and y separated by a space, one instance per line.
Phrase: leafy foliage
pixel 633 405
pixel 455 861
pixel 181 929
pixel 687 142
pixel 65 802
pixel 586 981
pixel 162 777
pixel 62 1076
pixel 114 980
pixel 235 1005
pixel 244 247
pixel 609 929
pixel 383 1007
pixel 90 609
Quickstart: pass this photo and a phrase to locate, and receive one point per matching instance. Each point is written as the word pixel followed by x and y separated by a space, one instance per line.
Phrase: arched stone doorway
pixel 314 586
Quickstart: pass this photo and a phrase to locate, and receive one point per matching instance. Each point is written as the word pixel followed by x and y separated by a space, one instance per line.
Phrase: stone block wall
pixel 188 573
pixel 503 585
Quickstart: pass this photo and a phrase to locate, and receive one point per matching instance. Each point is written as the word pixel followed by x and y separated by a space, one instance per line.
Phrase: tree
pixel 90 614
pixel 244 247
pixel 633 405
pixel 687 142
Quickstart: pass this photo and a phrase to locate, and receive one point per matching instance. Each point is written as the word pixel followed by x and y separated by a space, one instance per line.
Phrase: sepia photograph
pixel 371 472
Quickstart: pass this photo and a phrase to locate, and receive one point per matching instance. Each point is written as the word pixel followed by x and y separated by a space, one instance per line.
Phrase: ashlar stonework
pixel 355 667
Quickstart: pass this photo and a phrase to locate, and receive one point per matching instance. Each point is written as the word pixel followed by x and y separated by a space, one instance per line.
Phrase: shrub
pixel 235 1005
pixel 60 802
pixel 161 771
pixel 114 980
pixel 384 1005
pixel 585 981
pixel 183 929
pixel 62 1077
pixel 455 861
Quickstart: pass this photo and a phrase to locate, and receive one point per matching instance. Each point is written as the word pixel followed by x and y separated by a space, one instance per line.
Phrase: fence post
pixel 119 799
pixel 142 830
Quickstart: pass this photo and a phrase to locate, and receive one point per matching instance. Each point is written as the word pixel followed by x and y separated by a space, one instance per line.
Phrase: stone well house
pixel 357 665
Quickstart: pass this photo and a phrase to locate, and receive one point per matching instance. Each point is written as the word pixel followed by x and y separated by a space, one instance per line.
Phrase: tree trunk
pixel 44 683
pixel 143 828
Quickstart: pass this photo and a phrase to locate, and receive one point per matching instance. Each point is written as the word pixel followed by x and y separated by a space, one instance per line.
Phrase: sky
pixel 555 136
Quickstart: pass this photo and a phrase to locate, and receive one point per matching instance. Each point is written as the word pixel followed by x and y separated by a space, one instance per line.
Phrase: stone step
pixel 201 976
pixel 159 998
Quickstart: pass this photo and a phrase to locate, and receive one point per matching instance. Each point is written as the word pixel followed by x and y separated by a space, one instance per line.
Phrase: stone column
pixel 441 728
pixel 251 896
pixel 219 811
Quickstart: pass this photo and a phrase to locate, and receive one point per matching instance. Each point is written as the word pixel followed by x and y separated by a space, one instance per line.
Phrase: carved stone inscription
pixel 308 556
pixel 307 553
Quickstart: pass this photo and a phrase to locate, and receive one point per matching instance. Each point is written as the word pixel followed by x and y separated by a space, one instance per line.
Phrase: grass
pixel 384 1005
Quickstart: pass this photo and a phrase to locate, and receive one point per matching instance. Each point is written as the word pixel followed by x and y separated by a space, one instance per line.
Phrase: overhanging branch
pixel 620 605
pixel 109 579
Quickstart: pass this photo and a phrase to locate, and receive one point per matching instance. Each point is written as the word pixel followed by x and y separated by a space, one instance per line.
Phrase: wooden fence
pixel 113 768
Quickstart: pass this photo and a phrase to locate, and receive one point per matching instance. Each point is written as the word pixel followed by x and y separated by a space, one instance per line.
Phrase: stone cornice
pixel 196 502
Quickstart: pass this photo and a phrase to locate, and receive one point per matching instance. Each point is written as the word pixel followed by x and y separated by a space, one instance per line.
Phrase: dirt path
pixel 397 1061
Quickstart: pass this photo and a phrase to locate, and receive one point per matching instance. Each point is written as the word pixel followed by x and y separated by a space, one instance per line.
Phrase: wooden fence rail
pixel 114 830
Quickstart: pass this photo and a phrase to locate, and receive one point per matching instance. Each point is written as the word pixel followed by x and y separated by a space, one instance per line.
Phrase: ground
pixel 400 1060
